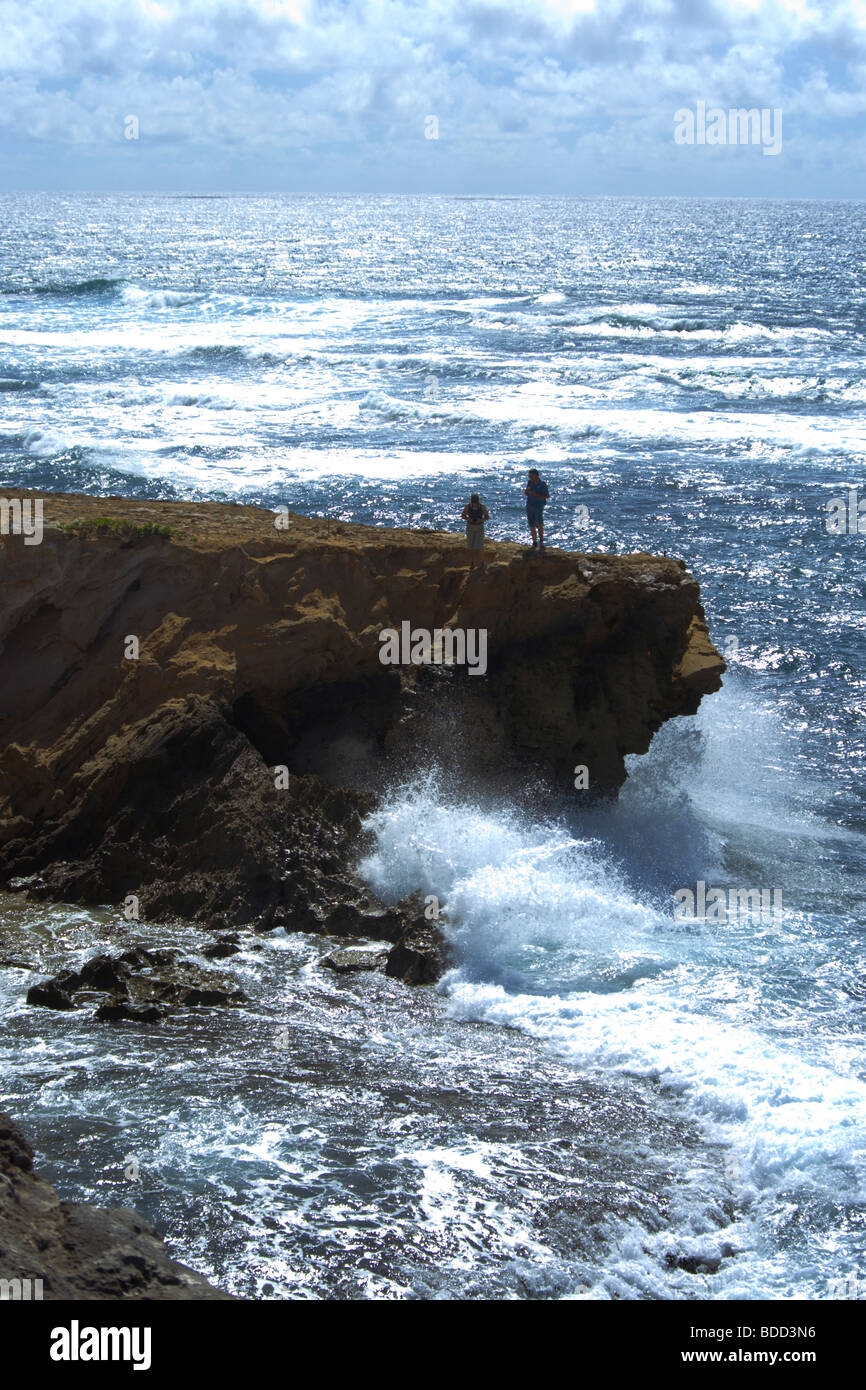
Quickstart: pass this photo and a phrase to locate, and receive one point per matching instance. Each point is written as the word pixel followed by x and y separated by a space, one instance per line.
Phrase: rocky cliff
pixel 159 660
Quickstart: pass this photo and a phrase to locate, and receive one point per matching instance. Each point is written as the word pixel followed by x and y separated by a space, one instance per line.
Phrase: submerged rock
pixel 102 973
pixel 118 1010
pixel 76 1251
pixel 222 948
pixel 50 995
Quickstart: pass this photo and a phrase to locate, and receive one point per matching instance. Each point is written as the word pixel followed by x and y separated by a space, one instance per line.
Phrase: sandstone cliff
pixel 257 647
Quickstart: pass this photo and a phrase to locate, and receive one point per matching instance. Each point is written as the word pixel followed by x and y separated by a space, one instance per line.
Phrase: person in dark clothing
pixel 537 493
pixel 475 514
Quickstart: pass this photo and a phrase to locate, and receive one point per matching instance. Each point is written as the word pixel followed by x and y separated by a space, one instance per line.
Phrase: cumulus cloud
pixel 531 94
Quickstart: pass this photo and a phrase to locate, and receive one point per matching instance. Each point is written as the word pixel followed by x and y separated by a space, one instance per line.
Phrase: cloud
pixel 515 84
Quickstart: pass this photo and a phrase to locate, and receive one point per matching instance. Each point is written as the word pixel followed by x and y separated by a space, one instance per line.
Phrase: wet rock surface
pixel 419 957
pixel 143 985
pixel 354 958
pixel 77 1251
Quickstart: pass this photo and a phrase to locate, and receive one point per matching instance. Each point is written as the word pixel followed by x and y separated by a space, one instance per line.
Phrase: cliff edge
pixel 158 660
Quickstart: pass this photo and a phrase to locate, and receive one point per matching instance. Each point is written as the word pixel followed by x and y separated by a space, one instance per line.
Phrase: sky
pixel 509 97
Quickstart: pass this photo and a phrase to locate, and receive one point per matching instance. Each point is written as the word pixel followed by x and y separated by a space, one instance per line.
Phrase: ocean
pixel 599 1100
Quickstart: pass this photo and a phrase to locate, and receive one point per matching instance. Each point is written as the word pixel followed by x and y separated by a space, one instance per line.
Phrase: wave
pixel 161 299
pixel 392 408
pixel 613 325
pixel 428 368
pixel 231 352
pixel 655 426
pixel 94 473
pixel 659 324
pixel 562 928
pixel 106 286
pixel 750 387
pixel 639 321
pixel 194 398
pixel 99 285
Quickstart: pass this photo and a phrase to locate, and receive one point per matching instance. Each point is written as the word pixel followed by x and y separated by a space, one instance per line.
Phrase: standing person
pixel 537 493
pixel 475 514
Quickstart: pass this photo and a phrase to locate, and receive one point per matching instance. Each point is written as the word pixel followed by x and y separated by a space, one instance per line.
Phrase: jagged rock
pixel 694 1264
pixel 166 980
pixel 223 947
pixel 196 994
pixel 81 1252
pixel 23 885
pixel 105 974
pixel 50 995
pixel 347 919
pixel 118 1010
pixel 419 957
pixel 101 975
pixel 145 957
pixel 354 958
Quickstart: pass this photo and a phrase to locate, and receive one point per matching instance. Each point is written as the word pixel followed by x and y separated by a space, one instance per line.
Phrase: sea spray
pixel 567 938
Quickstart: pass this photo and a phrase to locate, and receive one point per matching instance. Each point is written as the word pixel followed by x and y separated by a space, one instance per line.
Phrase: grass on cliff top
pixel 109 526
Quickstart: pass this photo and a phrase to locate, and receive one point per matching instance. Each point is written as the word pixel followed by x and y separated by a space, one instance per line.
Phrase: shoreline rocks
pixel 353 959
pixel 142 985
pixel 419 957
pixel 81 1251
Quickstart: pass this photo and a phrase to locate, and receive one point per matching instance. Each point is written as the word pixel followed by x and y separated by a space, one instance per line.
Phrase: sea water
pixel 600 1099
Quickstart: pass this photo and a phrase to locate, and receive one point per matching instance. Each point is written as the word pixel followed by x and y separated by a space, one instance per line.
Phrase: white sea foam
pixel 553 938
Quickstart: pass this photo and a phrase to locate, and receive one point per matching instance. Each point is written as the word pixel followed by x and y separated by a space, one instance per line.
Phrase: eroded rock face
pixel 153 776
pixel 198 830
pixel 80 1252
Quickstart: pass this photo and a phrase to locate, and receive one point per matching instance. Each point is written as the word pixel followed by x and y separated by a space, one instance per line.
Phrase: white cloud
pixel 527 78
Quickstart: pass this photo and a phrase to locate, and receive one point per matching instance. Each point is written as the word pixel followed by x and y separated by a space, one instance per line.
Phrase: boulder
pixel 419 957
pixel 223 947
pixel 103 973
pixel 121 1010
pixel 50 994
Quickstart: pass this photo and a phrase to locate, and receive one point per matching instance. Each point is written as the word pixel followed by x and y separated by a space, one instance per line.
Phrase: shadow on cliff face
pixel 254 817
pixel 337 732
pixel 370 735
pixel 199 826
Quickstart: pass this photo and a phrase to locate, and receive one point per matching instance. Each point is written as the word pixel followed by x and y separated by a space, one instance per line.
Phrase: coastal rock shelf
pixel 158 660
